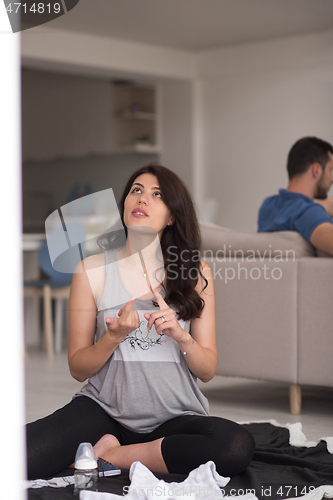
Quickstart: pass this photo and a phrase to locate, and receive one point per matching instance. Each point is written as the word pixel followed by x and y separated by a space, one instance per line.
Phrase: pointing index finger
pixel 159 299
pixel 127 307
pixel 129 304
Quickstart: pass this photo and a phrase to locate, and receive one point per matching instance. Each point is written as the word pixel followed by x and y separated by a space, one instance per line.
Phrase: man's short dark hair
pixel 305 152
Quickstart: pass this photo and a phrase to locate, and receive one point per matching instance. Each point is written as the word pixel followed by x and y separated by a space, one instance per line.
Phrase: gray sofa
pixel 274 310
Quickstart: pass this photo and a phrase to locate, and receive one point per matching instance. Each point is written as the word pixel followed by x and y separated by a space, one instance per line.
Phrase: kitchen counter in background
pixel 32 242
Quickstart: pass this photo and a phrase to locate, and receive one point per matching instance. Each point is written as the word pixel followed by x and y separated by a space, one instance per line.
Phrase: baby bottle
pixel 85 475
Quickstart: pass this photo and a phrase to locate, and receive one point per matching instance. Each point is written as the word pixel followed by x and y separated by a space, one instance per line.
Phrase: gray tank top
pixel 146 381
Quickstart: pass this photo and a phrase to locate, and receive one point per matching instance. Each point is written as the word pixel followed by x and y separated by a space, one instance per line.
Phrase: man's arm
pixel 322 237
pixel 327 204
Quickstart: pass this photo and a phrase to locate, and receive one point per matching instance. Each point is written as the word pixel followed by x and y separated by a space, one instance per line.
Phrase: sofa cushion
pixel 256 319
pixel 321 253
pixel 228 242
pixel 315 319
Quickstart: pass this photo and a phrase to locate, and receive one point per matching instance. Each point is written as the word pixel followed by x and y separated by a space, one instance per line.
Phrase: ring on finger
pixel 163 319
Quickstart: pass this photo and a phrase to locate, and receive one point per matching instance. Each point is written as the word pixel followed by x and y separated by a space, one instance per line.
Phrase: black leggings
pixel 189 440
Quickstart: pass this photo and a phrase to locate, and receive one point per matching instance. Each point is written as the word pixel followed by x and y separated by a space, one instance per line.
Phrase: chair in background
pixel 55 286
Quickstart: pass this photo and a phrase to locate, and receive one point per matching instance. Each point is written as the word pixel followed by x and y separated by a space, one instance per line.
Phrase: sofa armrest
pixel 256 318
pixel 315 319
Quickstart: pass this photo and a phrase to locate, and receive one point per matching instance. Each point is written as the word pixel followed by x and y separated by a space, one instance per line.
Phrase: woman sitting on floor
pixel 142 329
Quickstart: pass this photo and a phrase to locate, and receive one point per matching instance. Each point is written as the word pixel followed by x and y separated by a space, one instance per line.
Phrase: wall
pixel 67 132
pixel 47 185
pixel 46 48
pixel 12 432
pixel 65 114
pixel 256 101
pixel 248 104
pixel 177 118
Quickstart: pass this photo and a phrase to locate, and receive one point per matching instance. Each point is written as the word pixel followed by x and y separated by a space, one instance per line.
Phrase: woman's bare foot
pixel 149 454
pixel 105 445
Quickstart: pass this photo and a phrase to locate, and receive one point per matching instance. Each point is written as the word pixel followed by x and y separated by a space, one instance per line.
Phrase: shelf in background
pixel 135 112
pixel 135 116
pixel 137 148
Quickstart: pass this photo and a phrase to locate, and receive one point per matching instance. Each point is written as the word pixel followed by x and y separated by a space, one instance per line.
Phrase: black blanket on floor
pixel 277 471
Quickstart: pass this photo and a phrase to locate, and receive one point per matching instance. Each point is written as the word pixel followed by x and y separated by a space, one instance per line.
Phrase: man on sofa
pixel 304 206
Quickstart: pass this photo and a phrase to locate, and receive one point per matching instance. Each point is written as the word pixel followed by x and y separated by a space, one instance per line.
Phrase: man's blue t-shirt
pixel 289 211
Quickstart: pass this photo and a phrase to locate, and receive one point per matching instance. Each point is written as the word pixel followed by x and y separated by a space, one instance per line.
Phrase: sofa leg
pixel 295 399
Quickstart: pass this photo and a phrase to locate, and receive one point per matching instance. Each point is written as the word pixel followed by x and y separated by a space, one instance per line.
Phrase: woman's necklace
pixel 143 270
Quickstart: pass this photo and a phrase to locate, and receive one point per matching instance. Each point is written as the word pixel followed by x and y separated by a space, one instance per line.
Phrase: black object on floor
pixel 277 471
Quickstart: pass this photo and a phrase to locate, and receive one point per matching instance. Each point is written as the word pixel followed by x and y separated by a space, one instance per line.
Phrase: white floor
pixel 49 386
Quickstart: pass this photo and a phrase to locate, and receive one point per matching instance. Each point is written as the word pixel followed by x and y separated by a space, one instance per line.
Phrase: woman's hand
pixel 85 356
pixel 165 320
pixel 119 328
pixel 199 347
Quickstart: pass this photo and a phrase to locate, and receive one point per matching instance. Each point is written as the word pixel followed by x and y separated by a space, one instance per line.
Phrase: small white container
pixel 86 474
